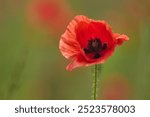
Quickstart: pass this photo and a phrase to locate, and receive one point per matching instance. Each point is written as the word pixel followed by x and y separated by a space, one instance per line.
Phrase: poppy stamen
pixel 104 46
pixel 97 55
pixel 95 46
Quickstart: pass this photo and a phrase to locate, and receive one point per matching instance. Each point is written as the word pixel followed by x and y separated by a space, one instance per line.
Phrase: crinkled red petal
pixel 120 38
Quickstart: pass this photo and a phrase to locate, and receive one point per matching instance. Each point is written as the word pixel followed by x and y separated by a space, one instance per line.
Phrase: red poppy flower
pixel 48 13
pixel 88 42
pixel 116 88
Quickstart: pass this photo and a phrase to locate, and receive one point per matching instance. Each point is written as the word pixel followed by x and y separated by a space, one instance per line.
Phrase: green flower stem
pixel 95 78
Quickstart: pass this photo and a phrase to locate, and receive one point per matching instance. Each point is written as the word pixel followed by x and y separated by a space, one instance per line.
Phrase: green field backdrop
pixel 32 67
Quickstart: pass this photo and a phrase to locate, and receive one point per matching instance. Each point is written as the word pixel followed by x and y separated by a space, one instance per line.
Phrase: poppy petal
pixel 81 61
pixel 120 38
pixel 76 62
pixel 94 29
pixel 69 45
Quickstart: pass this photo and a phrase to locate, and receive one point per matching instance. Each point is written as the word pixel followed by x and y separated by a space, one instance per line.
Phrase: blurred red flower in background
pixel 88 42
pixel 52 14
pixel 116 88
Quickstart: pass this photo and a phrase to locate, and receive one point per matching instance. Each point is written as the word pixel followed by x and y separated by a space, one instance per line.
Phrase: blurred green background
pixel 32 67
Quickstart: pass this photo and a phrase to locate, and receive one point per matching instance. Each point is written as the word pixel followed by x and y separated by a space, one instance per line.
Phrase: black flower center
pixel 95 46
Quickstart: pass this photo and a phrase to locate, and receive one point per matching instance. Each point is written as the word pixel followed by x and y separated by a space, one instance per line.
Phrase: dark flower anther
pixel 96 55
pixel 104 46
pixel 95 46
